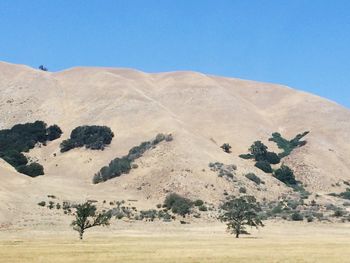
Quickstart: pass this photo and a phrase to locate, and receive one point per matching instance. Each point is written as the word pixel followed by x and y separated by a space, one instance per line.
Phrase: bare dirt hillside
pixel 201 112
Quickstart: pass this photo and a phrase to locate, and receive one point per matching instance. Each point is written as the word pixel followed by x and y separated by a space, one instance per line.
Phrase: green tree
pixel 285 175
pixel 241 212
pixel 87 217
pixel 178 204
pixel 259 150
pixel 226 147
pixel 53 132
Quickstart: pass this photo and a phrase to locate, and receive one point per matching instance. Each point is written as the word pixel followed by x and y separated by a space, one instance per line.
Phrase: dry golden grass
pixel 282 243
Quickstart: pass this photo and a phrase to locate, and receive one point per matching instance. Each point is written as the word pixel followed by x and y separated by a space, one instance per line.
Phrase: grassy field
pixel 276 244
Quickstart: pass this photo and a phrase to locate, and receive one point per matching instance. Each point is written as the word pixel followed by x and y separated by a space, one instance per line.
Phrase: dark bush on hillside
pixel 296 216
pixel 15 158
pixel 178 204
pixel 203 208
pixel 116 167
pixel 247 156
pixel 285 175
pixel 272 158
pixel 42 203
pixel 226 147
pixel 33 169
pixel 288 145
pixel 21 138
pixel 254 178
pixel 346 194
pixel 123 165
pixel 258 150
pixel 243 190
pixel 198 202
pixel 53 132
pixel 264 166
pixel 43 68
pixel 92 137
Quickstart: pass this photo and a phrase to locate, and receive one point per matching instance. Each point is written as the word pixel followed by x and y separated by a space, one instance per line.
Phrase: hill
pixel 200 111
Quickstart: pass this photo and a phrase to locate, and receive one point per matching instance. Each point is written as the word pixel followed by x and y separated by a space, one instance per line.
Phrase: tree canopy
pixel 241 212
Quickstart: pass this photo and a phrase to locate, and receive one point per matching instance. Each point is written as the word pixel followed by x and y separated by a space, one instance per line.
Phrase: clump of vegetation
pixel 285 175
pixel 42 203
pixel 43 68
pixel 178 204
pixel 346 194
pixel 203 208
pixel 92 137
pixel 241 212
pixel 86 217
pixel 23 137
pixel 223 170
pixel 198 202
pixel 263 158
pixel 296 216
pixel 259 151
pixel 53 132
pixel 123 165
pixel 149 214
pixel 264 166
pixel 254 178
pixel 242 190
pixel 226 147
pixel 33 169
pixel 288 145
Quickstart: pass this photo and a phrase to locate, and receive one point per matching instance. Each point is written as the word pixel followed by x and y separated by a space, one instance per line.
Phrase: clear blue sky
pixel 304 44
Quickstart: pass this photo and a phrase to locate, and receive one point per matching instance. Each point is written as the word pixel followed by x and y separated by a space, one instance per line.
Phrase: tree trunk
pixel 237 235
pixel 81 232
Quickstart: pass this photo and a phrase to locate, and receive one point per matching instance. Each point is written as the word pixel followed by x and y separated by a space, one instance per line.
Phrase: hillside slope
pixel 201 112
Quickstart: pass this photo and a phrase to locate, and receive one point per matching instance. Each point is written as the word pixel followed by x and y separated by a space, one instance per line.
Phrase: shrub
pixel 42 203
pixel 92 137
pixel 198 202
pixel 242 190
pixel 296 216
pixel 285 175
pixel 43 68
pixel 203 208
pixel 116 167
pixel 264 166
pixel 254 178
pixel 15 158
pixel 223 170
pixel 178 204
pixel 346 194
pixel 51 204
pixel 338 213
pixel 53 132
pixel 123 165
pixel 246 156
pixel 150 214
pixel 33 169
pixel 277 209
pixel 288 145
pixel 226 147
pixel 258 150
pixel 272 158
pixel 309 218
pixel 21 138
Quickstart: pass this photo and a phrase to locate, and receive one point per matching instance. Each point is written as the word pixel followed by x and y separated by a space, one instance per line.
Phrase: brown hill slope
pixel 202 112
